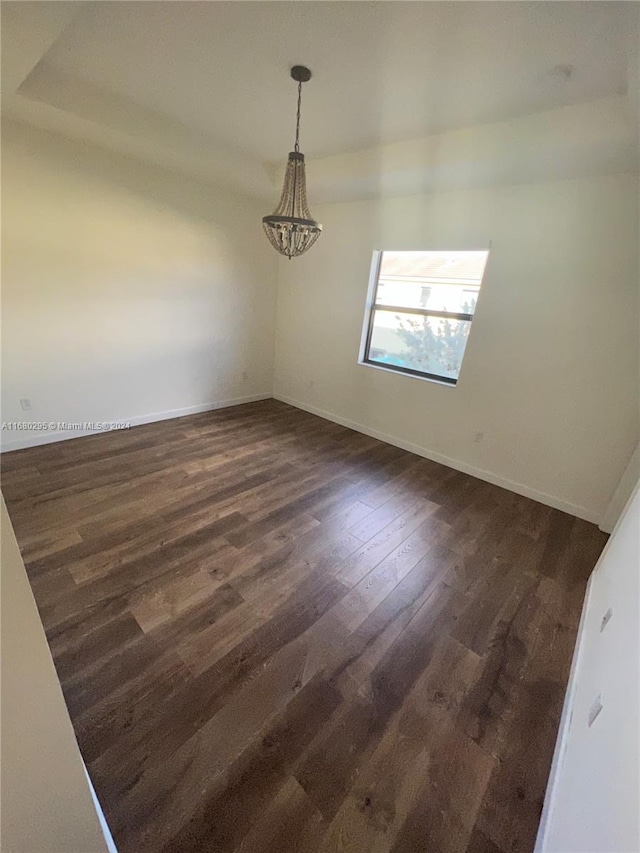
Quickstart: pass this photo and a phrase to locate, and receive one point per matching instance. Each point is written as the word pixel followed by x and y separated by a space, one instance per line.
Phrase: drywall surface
pixel 592 138
pixel 47 805
pixel 550 375
pixel 592 803
pixel 127 291
pixel 622 493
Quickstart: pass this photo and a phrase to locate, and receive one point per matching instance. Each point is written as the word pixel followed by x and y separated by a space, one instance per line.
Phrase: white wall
pixel 47 804
pixel 593 800
pixel 622 493
pixel 127 291
pixel 588 139
pixel 551 370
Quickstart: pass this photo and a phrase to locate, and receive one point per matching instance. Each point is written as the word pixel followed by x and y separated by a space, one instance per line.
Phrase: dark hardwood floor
pixel 276 635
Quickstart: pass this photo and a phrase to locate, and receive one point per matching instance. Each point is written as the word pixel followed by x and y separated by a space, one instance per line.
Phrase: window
pixel 420 310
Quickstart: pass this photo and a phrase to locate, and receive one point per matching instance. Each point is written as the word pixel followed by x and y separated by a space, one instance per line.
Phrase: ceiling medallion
pixel 290 228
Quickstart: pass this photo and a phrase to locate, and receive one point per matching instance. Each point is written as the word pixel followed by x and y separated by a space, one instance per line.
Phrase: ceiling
pixel 208 81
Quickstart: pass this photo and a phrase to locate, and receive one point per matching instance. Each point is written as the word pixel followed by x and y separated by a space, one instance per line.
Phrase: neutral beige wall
pixel 127 291
pixel 46 802
pixel 622 493
pixel 551 370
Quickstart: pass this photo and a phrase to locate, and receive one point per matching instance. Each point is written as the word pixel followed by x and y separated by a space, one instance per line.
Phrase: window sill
pixel 404 375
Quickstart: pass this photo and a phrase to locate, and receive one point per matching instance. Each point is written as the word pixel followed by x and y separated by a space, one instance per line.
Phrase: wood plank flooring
pixel 276 635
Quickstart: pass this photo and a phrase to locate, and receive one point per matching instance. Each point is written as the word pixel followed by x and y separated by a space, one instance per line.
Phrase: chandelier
pixel 290 228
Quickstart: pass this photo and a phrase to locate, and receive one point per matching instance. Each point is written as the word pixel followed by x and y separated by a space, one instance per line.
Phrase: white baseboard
pixel 27 440
pixel 104 826
pixel 488 476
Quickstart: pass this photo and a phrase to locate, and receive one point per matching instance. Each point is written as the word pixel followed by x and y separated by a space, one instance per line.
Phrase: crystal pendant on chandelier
pixel 290 228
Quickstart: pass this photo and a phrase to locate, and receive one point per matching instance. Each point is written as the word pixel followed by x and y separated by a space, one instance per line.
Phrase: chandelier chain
pixel 297 145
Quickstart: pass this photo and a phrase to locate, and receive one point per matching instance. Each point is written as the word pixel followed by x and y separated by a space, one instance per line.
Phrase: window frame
pixel 371 308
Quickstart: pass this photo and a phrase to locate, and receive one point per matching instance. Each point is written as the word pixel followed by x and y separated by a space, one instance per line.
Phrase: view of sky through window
pixel 422 311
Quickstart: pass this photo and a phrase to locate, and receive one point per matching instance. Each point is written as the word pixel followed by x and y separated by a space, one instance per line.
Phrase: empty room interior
pixel 320 427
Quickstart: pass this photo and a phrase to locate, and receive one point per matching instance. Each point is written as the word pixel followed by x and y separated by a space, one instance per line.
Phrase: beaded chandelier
pixel 290 228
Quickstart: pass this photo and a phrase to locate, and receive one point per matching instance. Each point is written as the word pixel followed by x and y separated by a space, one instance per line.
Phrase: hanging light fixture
pixel 290 228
